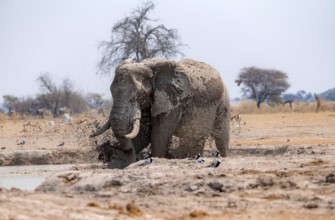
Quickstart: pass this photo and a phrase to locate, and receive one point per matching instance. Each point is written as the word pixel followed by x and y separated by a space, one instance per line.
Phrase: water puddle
pixel 28 177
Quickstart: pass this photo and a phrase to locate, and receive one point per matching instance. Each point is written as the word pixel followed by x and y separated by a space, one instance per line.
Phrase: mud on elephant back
pixel 157 99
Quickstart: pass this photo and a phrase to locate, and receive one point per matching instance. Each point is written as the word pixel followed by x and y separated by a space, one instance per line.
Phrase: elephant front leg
pixel 163 128
pixel 143 139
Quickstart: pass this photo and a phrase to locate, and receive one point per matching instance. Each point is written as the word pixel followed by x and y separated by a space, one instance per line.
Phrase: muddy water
pixel 27 177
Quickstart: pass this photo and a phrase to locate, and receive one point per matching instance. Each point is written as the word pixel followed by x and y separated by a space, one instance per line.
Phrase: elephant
pixel 157 99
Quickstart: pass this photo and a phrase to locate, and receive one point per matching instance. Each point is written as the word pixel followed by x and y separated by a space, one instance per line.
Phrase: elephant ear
pixel 171 85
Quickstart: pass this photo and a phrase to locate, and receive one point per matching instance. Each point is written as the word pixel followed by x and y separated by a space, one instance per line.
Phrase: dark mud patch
pixel 259 151
pixel 282 173
pixel 46 157
pixel 318 162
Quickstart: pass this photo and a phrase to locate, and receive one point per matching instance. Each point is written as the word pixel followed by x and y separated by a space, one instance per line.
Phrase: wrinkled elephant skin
pixel 156 99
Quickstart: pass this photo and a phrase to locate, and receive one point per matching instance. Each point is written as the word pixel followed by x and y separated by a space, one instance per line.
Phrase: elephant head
pixel 152 85
pixel 131 89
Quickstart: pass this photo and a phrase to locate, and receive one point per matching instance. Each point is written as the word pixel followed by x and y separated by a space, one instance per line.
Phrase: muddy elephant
pixel 156 99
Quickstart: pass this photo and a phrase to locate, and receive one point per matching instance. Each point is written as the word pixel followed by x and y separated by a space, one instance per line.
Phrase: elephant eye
pixel 122 80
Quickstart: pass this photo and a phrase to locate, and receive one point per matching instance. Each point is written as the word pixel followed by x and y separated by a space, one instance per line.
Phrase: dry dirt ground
pixel 281 166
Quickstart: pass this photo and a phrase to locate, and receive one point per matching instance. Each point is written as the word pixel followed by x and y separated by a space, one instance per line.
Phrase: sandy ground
pixel 280 166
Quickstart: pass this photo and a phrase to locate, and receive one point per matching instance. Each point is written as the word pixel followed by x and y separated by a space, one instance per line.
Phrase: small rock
pixel 287 184
pixel 52 124
pixel 78 188
pixel 265 181
pixel 125 189
pixel 330 178
pixel 232 204
pixel 93 204
pixel 133 209
pixel 61 144
pixel 89 188
pixel 112 183
pixel 311 206
pixel 66 118
pixel 301 150
pixel 216 186
pixel 198 214
pixel 192 188
pixel 71 177
pixel 21 143
pixel 200 176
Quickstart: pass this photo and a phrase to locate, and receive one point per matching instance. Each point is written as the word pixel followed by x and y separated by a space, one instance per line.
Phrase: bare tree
pixel 24 105
pixel 10 103
pixel 137 37
pixel 47 84
pixel 94 100
pixel 262 84
pixel 318 102
pixel 68 90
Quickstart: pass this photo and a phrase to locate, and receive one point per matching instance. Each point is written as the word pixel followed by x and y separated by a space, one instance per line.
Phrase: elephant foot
pixel 121 159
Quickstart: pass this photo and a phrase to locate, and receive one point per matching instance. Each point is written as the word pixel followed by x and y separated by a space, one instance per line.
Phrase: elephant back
pixel 199 73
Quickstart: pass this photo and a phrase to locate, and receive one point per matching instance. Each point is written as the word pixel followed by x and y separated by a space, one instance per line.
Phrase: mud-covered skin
pixel 185 99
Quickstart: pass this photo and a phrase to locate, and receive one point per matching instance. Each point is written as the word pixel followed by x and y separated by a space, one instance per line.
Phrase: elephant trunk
pixel 125 119
pixel 102 129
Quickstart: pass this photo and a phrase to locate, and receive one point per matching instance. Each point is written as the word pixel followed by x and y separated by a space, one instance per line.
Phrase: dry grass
pixel 3 117
pixel 245 107
pixel 77 118
pixel 16 117
pixel 249 107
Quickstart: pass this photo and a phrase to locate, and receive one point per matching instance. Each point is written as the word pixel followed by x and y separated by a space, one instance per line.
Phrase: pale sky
pixel 61 37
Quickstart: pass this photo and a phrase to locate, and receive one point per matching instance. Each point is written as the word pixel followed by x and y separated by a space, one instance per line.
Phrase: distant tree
pixel 53 96
pixel 138 37
pixel 23 105
pixel 94 100
pixel 328 95
pixel 318 102
pixel 262 84
pixel 274 100
pixel 67 87
pixel 10 103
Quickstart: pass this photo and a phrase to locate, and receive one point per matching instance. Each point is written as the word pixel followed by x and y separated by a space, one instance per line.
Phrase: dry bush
pixel 22 116
pixel 92 114
pixel 327 106
pixel 15 116
pixel 249 107
pixel 3 117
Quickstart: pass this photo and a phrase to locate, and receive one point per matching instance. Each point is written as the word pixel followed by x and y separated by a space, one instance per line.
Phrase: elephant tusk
pixel 136 129
pixel 102 129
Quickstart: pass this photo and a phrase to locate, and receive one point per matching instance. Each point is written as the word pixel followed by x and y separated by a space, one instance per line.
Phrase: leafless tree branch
pixel 262 84
pixel 137 37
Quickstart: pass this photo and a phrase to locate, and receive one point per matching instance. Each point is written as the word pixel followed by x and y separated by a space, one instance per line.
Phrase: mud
pixel 280 166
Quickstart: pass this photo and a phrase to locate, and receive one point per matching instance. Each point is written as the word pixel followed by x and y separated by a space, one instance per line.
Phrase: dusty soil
pixel 280 166
pixel 46 141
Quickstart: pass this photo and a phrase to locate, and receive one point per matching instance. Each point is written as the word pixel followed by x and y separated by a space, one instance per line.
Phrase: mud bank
pixel 281 166
pixel 247 187
pixel 46 157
